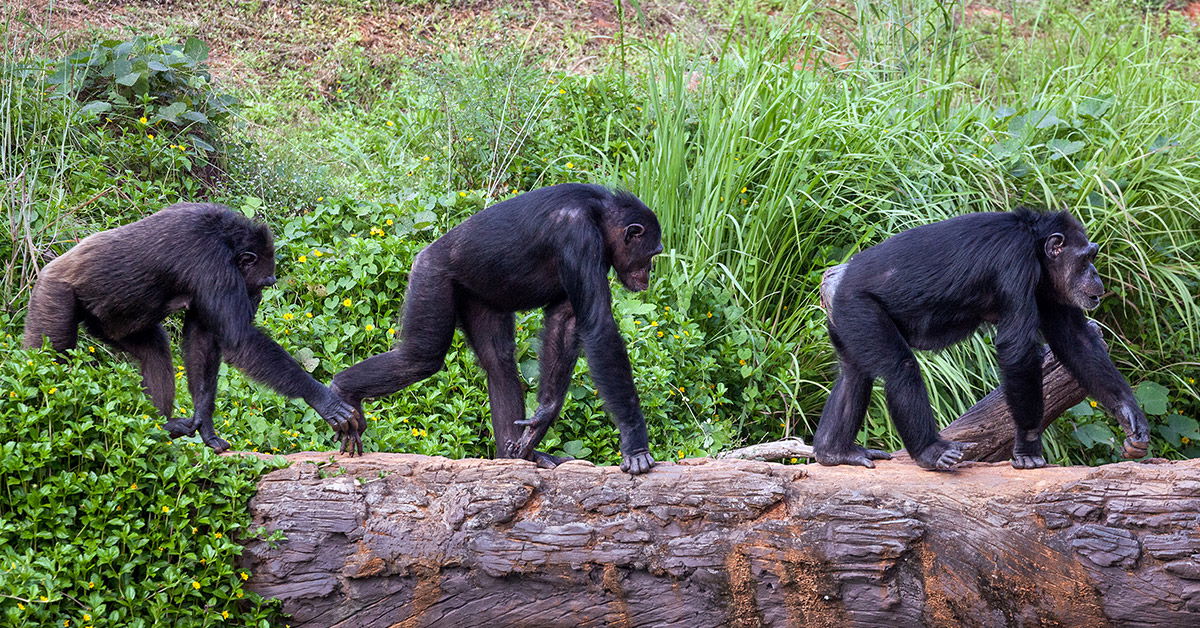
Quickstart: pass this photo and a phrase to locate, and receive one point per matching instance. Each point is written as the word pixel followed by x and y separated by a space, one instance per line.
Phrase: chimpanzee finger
pixel 878 454
pixel 1135 448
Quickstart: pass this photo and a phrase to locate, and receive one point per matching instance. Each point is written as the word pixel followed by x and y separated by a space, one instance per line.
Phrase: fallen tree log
pixel 406 540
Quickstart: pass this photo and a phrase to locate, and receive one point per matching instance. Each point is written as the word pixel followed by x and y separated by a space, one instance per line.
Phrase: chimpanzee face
pixel 1069 260
pixel 258 269
pixel 634 245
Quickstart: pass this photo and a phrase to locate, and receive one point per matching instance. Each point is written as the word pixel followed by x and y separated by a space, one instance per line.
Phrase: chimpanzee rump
pixel 550 248
pixel 1029 273
pixel 204 258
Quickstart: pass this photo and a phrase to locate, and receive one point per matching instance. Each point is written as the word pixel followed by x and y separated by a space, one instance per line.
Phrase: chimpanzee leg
pixel 880 350
pixel 843 417
pixel 53 313
pixel 428 328
pixel 560 351
pixel 202 358
pixel 153 352
pixel 491 335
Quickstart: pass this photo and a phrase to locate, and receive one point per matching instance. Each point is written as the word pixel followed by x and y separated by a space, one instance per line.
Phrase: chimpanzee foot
pixel 1023 461
pixel 217 443
pixel 548 461
pixel 855 455
pixel 183 427
pixel 636 463
pixel 942 455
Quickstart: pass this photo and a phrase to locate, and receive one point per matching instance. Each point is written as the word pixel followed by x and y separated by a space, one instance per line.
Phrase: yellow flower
pixel 339 90
pixel 288 316
pixel 320 198
pixel 370 327
pixel 317 253
pixel 244 575
pixel 675 336
pixel 66 622
pixel 470 139
pixel 1092 403
pixel 637 107
pixel 302 259
pixel 743 190
pixel 1191 380
pixel 389 222
pixel 195 529
pixel 1185 440
pixel 424 157
pixel 195 585
pixel 224 614
pixel 681 389
pixel 91 349
pixel 239 595
pixel 680 453
pixel 150 135
pixel 391 331
pixel 165 509
pixel 742 362
pixel 143 120
pixel 660 334
pixel 53 390
pixel 654 323
pixel 217 535
pixel 133 487
pixel 87 617
pixel 308 315
pixel 793 461
pixel 666 308
pixel 390 123
pixel 462 194
pixel 12 393
pixel 570 165
pixel 43 598
pixel 20 606
pixel 347 302
pixel 182 148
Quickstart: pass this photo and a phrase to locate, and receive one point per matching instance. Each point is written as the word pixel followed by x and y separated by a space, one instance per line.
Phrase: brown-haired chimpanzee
pixel 549 248
pixel 204 258
pixel 1027 272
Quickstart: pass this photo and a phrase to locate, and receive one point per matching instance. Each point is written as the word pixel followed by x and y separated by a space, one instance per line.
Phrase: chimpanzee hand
pixel 346 420
pixel 942 455
pixel 636 462
pixel 1133 420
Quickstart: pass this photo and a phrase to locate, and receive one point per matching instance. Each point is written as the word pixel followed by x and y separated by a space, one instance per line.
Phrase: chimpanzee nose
pixel 269 281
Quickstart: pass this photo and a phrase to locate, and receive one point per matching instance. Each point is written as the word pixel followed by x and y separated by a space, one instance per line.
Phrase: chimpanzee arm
pixel 225 310
pixel 1081 350
pixel 1017 350
pixel 583 269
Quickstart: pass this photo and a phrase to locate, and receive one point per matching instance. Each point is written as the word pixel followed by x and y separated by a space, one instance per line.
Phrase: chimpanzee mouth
pixel 1092 302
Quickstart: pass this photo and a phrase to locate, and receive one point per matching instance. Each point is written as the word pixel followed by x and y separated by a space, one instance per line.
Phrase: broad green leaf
pixel 1152 397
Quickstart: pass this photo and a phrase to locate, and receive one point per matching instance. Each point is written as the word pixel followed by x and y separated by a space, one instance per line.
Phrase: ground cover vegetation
pixel 773 139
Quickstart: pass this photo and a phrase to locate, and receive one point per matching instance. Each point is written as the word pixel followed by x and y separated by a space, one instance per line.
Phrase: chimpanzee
pixel 204 258
pixel 1025 271
pixel 549 248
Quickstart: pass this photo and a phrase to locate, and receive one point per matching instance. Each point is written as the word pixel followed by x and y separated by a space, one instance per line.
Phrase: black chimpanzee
pixel 206 258
pixel 1027 272
pixel 549 248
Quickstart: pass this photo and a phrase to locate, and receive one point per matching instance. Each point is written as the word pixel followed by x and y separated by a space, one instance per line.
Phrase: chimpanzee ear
pixel 1054 245
pixel 246 259
pixel 633 230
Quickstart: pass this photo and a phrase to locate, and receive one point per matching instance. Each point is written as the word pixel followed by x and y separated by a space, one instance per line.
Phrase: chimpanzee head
pixel 1068 258
pixel 256 258
pixel 634 238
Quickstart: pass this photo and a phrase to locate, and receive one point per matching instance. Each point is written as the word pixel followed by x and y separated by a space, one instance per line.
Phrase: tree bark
pixel 405 540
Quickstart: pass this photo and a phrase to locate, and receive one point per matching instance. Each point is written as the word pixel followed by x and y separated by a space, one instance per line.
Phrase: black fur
pixel 1027 272
pixel 204 258
pixel 549 248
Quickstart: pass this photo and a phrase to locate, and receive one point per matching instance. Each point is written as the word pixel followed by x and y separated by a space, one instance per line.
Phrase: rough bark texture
pixel 405 540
